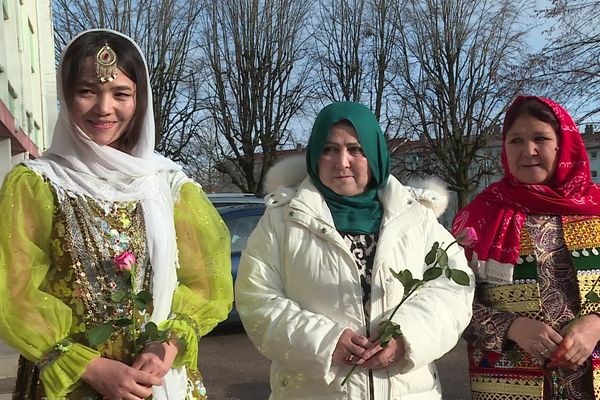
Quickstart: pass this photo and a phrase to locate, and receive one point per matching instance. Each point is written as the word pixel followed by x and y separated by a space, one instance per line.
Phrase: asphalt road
pixel 234 370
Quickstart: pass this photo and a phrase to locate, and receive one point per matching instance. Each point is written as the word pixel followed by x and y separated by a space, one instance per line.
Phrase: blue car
pixel 241 219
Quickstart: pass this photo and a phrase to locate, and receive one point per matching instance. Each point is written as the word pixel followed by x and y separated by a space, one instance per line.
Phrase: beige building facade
pixel 28 105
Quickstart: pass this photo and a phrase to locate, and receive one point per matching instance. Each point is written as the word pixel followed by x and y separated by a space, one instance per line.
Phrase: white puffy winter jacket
pixel 298 288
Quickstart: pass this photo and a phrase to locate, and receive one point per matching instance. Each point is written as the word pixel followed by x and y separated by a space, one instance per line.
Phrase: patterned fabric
pixel 501 208
pixel 363 248
pixel 550 293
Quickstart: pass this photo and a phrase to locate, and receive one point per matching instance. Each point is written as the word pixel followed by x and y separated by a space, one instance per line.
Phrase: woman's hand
pixel 115 380
pixel 157 358
pixel 350 347
pixel 535 337
pixel 580 339
pixel 377 357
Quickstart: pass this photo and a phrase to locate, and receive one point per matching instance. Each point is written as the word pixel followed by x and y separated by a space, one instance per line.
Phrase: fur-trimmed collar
pixel 291 171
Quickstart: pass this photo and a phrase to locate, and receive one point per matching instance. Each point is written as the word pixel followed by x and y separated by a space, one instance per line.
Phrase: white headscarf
pixel 76 163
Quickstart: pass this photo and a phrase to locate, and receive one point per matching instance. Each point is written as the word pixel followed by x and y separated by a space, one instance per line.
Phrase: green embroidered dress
pixel 57 275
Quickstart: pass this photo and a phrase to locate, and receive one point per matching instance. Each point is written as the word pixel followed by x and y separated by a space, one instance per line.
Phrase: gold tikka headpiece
pixel 106 64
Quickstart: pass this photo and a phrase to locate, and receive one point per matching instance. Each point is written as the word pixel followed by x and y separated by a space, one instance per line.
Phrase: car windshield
pixel 240 228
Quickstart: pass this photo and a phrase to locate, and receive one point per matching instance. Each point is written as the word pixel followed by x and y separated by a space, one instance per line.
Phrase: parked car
pixel 241 219
pixel 230 199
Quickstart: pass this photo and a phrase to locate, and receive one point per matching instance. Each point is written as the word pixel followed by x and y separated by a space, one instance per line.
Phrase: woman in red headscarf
pixel 535 331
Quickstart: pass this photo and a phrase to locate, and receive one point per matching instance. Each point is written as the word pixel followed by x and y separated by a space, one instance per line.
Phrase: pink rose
pixel 466 237
pixel 124 261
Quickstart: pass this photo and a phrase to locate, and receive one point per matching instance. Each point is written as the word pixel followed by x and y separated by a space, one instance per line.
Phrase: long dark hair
pixel 129 61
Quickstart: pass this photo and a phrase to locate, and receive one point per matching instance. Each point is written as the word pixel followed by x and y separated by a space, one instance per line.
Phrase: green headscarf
pixel 360 213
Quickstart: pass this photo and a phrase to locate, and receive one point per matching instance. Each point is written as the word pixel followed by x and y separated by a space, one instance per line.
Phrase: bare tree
pixel 165 31
pixel 340 49
pixel 384 32
pixel 202 166
pixel 570 62
pixel 458 65
pixel 256 80
pixel 355 40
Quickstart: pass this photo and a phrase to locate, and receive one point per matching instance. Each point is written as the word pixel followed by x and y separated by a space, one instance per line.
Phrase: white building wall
pixel 5 156
pixel 28 106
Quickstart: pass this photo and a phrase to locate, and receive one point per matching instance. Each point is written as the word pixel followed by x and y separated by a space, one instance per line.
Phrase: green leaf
pixel 430 257
pixel 415 283
pixel 448 273
pixel 406 277
pixel 388 330
pixel 99 334
pixel 514 356
pixel 142 299
pixel 411 285
pixel 396 275
pixel 432 273
pixel 139 304
pixel 397 332
pixel 118 296
pixel 442 258
pixel 459 277
pixel 122 323
pixel 144 296
pixel 592 297
pixel 151 330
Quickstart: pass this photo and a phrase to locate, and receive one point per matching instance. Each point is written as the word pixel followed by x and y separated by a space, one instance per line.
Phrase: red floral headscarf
pixel 498 213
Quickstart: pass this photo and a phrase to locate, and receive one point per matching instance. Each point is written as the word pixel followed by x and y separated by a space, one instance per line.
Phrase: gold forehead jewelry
pixel 106 64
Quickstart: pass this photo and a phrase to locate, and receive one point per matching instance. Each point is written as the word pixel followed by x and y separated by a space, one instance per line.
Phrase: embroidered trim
pixel 526 243
pixel 514 298
pixel 531 388
pixel 188 319
pixel 580 233
pixel 58 350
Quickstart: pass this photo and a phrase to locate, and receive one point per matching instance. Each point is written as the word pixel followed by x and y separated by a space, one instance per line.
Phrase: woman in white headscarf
pixel 98 220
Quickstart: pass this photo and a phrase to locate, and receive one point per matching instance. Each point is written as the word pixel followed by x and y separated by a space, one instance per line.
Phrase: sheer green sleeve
pixel 31 320
pixel 205 292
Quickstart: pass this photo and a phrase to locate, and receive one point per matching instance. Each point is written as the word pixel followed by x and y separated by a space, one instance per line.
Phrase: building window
pixel 29 122
pixel 32 47
pixel 5 9
pixel 12 96
pixel 594 174
pixel 37 134
pixel 594 154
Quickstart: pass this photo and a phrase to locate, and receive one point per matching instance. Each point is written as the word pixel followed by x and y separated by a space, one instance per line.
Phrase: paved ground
pixel 8 365
pixel 234 370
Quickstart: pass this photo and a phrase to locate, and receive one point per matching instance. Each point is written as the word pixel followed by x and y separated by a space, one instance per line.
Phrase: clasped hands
pixel 355 349
pixel 567 349
pixel 116 380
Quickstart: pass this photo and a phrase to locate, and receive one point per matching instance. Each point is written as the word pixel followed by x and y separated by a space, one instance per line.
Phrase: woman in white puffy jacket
pixel 314 283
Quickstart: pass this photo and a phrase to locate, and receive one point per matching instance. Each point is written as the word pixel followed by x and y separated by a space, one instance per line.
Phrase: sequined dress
pixel 78 239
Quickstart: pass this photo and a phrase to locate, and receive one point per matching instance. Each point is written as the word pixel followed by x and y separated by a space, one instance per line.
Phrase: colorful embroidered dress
pixel 537 257
pixel 57 276
pixel 558 264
